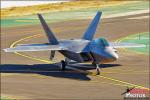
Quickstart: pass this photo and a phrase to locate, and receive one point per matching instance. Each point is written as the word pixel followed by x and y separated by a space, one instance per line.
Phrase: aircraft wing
pixel 126 45
pixel 35 47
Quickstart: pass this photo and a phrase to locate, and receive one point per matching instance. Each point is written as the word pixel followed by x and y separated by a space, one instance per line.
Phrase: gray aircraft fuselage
pixel 78 50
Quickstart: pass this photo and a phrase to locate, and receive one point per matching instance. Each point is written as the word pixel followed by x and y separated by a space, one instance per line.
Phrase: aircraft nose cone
pixel 113 54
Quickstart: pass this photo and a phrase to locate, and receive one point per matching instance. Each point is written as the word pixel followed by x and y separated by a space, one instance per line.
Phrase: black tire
pixel 63 65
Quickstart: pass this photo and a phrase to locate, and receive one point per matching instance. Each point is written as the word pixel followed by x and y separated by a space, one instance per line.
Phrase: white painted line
pixel 126 14
pixel 141 17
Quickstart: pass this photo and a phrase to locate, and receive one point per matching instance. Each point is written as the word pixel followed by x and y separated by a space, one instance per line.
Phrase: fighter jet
pixel 86 49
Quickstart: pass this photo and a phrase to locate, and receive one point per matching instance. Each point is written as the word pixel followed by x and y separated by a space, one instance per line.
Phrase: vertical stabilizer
pixel 88 35
pixel 52 39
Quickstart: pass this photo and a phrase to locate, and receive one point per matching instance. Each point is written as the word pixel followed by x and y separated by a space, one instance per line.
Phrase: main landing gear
pixel 64 63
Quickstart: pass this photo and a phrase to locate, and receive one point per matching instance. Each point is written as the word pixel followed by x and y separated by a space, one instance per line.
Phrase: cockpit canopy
pixel 102 42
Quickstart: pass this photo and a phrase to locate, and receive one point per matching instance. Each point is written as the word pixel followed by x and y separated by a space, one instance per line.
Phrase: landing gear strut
pixel 97 69
pixel 63 65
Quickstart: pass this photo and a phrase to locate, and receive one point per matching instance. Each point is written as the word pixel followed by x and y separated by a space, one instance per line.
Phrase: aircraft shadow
pixel 51 70
pixel 90 66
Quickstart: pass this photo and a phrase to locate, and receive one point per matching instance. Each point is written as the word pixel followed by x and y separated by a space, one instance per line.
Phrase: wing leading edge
pixel 35 47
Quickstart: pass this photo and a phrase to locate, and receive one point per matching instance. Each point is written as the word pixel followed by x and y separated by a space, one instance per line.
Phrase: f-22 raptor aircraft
pixel 86 49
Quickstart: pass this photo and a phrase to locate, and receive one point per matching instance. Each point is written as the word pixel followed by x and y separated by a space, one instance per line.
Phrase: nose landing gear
pixel 97 69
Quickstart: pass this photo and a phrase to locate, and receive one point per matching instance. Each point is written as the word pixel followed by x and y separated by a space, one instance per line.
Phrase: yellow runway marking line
pixel 119 81
pixel 127 83
pixel 108 78
pixel 124 73
pixel 28 37
pixel 21 54
pixel 115 80
pixel 109 83
pixel 125 70
pixel 123 83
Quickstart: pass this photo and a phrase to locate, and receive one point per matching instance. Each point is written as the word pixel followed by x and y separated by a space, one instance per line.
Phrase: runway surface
pixel 29 75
